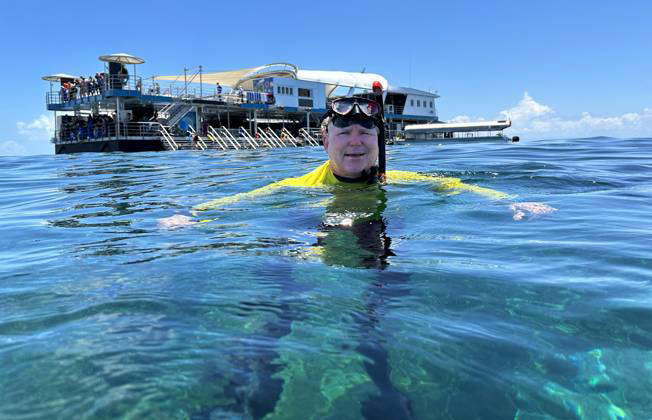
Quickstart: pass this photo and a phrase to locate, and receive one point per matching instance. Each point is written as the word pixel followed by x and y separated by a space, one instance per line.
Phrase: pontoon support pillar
pixel 255 122
pixel 117 116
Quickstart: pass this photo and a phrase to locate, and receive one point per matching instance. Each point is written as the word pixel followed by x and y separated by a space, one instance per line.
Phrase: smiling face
pixel 351 149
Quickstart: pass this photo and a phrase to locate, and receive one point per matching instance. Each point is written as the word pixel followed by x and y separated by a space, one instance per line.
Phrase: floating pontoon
pixel 463 132
pixel 274 105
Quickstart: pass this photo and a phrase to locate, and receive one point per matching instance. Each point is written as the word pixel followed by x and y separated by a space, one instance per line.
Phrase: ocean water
pixel 404 302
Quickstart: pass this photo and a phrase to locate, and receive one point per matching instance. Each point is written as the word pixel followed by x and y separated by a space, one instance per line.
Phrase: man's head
pixel 351 137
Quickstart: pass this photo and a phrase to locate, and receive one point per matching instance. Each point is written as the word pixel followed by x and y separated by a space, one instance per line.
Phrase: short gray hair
pixel 324 124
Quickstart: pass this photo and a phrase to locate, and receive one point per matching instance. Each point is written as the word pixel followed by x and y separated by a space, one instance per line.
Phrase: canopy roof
pixel 235 78
pixel 467 126
pixel 57 77
pixel 226 78
pixel 122 58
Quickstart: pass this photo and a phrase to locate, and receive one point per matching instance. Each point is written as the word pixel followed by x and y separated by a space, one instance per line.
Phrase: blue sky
pixel 557 68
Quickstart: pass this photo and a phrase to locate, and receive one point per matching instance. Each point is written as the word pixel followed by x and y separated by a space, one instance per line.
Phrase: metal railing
pixel 252 142
pixel 286 135
pixel 169 140
pixel 265 137
pixel 90 87
pixel 106 131
pixel 175 113
pixel 116 81
pixel 98 87
pixel 195 135
pixel 231 138
pixel 56 98
pixel 309 139
pixel 394 109
pixel 273 134
pixel 216 138
pixel 165 110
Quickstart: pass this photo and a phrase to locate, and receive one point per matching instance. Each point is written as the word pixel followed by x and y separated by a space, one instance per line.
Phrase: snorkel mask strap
pixel 382 165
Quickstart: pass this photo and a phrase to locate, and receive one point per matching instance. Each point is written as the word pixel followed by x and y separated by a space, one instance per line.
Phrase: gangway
pixel 309 139
pixel 252 142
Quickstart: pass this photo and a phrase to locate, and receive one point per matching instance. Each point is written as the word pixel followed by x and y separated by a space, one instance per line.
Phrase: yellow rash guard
pixel 323 176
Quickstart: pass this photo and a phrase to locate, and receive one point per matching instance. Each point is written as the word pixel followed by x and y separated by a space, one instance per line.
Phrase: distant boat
pixel 458 132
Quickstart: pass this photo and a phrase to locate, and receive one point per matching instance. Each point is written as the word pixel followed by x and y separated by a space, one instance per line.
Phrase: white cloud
pixel 41 128
pixel 526 109
pixel 33 137
pixel 533 119
pixel 11 148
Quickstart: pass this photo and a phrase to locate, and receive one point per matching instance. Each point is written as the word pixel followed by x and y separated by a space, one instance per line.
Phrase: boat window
pixel 291 91
pixel 430 104
pixel 304 92
pixel 305 102
pixel 418 103
pixel 411 102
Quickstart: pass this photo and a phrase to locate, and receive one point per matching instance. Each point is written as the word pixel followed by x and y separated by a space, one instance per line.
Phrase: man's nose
pixel 356 137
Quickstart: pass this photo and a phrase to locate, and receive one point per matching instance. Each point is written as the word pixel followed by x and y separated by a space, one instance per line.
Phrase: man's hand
pixel 522 209
pixel 176 221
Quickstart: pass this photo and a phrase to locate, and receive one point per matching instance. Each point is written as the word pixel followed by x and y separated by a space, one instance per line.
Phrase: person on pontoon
pixel 350 132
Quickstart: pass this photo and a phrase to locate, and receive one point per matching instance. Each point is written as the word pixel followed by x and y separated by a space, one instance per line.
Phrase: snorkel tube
pixel 378 97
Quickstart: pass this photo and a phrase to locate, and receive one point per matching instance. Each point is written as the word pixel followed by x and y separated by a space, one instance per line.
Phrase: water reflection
pixel 352 234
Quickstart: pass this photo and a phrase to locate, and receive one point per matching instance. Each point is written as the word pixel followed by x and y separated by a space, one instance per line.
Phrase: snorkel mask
pixel 351 110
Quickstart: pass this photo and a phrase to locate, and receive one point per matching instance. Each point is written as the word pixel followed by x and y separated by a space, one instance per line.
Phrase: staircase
pixel 174 112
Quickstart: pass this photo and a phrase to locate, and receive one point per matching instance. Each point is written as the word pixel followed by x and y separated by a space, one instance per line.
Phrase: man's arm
pixel 455 185
pixel 448 184
pixel 223 201
pixel 179 220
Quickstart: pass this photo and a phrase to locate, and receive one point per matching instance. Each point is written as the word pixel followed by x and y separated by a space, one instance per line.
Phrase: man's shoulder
pixel 320 176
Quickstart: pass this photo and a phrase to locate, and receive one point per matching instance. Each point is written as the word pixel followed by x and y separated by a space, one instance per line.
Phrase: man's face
pixel 352 149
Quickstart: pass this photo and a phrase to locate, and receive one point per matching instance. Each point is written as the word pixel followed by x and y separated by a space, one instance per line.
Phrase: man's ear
pixel 324 139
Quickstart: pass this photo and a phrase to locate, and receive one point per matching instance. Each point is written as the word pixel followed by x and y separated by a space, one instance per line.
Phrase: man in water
pixel 352 234
pixel 350 131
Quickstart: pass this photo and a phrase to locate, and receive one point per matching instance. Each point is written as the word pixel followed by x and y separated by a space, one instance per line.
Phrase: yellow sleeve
pixel 454 185
pixel 219 202
pixel 317 178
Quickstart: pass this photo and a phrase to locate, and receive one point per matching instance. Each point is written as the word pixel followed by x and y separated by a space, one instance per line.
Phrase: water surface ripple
pixel 430 306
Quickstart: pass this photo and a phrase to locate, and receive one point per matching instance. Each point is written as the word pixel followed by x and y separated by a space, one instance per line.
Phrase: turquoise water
pixel 402 303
